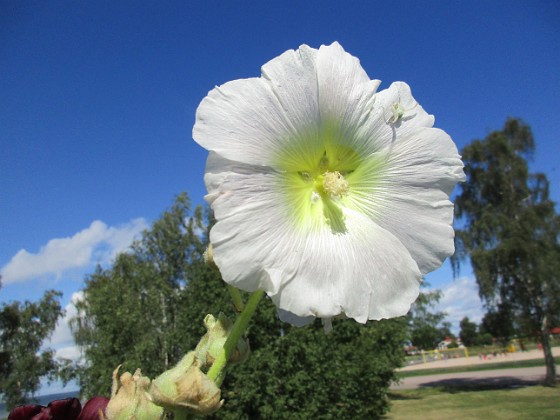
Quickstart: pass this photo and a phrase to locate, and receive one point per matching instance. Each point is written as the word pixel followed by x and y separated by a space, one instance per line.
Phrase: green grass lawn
pixel 489 366
pixel 535 402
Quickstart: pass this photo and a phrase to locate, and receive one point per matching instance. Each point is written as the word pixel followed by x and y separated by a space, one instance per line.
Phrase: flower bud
pixel 130 399
pixel 185 388
pixel 68 408
pixel 24 412
pixel 94 409
pixel 212 344
pixel 65 409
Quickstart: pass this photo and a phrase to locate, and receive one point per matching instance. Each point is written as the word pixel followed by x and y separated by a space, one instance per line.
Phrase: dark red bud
pixel 24 412
pixel 67 409
pixel 92 407
pixel 45 414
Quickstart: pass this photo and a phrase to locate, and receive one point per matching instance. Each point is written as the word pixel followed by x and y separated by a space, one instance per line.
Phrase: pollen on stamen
pixel 334 184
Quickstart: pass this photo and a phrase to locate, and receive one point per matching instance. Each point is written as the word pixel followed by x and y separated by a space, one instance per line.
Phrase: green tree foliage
pixel 305 373
pixel 511 231
pixel 498 323
pixel 426 326
pixel 136 313
pixel 468 333
pixel 23 329
pixel 146 311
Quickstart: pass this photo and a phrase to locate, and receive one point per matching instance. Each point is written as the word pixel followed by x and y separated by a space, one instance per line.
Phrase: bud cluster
pixel 184 389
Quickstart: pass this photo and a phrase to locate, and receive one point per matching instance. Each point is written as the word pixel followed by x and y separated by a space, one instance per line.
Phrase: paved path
pixel 491 378
pixel 475 360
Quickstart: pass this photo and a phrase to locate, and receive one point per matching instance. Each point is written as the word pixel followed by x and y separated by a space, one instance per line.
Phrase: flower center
pixel 323 189
pixel 319 180
pixel 334 184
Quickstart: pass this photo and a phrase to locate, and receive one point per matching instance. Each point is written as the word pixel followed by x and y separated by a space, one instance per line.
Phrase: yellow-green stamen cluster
pixel 334 184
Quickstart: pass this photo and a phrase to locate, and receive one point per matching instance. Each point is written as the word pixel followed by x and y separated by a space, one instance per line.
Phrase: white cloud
pixel 97 243
pixel 62 340
pixel 460 299
pixel 62 334
pixel 120 238
pixel 70 352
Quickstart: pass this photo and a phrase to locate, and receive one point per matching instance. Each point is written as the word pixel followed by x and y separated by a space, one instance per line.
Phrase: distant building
pixel 444 345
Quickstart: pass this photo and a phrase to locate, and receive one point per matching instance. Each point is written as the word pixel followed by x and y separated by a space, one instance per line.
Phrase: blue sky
pixel 98 98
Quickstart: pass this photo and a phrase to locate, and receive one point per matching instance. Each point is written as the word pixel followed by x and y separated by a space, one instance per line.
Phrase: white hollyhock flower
pixel 332 198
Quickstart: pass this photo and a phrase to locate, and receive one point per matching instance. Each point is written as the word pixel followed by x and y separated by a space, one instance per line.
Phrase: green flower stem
pixel 236 297
pixel 236 332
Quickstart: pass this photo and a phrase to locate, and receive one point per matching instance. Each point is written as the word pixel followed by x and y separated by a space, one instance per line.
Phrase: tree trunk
pixel 165 349
pixel 550 379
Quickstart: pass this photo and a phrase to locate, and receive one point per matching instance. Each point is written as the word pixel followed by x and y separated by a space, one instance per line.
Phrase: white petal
pixel 346 97
pixel 412 198
pixel 375 129
pixel 343 84
pixel 253 120
pixel 427 158
pixel 293 79
pixel 365 273
pixel 413 115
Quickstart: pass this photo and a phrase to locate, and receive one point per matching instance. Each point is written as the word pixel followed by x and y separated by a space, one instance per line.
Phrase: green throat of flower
pixel 323 178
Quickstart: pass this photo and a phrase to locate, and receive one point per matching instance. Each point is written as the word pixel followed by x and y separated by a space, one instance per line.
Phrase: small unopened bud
pixel 130 399
pixel 212 344
pixel 185 388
